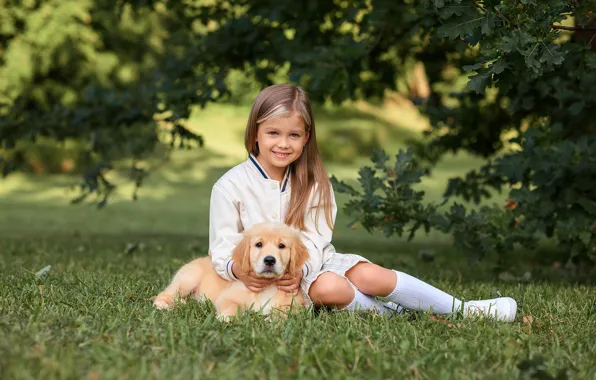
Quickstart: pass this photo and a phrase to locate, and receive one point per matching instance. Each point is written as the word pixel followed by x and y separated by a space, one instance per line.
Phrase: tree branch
pixel 573 28
pixel 560 27
pixel 482 9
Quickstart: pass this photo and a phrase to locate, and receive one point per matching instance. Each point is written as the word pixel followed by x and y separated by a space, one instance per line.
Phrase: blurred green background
pixel 175 196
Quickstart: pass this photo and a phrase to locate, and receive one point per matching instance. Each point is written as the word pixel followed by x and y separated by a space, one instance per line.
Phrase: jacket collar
pixel 255 164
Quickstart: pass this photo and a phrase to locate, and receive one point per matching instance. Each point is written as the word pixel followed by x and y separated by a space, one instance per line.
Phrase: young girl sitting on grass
pixel 284 180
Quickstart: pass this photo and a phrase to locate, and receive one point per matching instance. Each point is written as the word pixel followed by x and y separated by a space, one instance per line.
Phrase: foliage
pixel 390 203
pixel 529 80
pixel 109 70
pixel 102 73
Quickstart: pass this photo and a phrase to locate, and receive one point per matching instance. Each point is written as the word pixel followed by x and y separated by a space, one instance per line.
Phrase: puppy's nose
pixel 269 260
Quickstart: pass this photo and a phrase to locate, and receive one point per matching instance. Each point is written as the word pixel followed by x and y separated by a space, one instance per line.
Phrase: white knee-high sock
pixel 415 294
pixel 363 302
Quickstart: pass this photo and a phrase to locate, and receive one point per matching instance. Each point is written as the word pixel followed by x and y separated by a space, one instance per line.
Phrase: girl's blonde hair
pixel 308 169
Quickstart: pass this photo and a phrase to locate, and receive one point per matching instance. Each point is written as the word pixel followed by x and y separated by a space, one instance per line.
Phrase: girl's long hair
pixel 308 169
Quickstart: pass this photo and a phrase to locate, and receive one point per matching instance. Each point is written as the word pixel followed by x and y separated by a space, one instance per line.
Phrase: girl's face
pixel 281 141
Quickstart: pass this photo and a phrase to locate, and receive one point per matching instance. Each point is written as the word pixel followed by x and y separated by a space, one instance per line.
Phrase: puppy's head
pixel 270 250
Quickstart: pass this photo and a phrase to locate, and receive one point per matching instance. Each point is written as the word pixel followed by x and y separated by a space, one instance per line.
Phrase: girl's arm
pixel 225 233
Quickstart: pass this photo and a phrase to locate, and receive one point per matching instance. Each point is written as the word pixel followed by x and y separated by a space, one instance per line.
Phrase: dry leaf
pixel 528 319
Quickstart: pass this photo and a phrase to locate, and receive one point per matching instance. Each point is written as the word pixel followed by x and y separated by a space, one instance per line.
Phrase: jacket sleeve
pixel 318 234
pixel 225 231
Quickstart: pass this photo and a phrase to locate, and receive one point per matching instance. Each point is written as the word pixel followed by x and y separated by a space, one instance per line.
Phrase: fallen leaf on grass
pixel 43 272
pixel 444 322
pixel 131 297
pixel 530 322
pixel 528 319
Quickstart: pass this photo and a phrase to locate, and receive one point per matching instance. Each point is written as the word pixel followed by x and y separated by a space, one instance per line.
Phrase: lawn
pixel 90 315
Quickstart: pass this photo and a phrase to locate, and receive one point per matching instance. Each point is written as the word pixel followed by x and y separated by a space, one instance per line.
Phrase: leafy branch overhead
pixel 87 72
pixel 530 79
pixel 512 82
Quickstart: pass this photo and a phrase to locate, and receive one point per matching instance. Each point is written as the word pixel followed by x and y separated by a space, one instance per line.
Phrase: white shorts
pixel 338 263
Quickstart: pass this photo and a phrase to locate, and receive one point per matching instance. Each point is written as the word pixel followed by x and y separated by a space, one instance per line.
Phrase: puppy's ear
pixel 241 254
pixel 298 256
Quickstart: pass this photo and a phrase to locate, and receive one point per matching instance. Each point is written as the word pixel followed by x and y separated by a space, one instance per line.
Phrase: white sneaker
pixel 502 308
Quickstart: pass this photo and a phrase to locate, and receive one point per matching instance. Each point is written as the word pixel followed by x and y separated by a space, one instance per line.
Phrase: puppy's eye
pixel 259 245
pixel 282 245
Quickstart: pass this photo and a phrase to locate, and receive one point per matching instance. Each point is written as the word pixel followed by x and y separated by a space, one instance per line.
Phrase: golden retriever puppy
pixel 268 250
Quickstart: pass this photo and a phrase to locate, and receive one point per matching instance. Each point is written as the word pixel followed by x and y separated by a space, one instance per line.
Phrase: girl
pixel 284 180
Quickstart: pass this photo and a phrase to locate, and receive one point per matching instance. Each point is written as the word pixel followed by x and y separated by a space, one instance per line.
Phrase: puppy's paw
pixel 163 302
pixel 224 318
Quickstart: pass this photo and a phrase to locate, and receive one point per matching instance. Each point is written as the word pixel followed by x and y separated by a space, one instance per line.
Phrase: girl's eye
pixel 282 245
pixel 295 135
pixel 259 245
pixel 272 133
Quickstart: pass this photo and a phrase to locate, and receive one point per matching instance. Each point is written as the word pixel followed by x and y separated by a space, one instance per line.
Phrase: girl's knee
pixel 361 272
pixel 372 279
pixel 332 290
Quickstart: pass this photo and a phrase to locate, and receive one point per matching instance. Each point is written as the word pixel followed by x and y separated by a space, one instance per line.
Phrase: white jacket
pixel 244 196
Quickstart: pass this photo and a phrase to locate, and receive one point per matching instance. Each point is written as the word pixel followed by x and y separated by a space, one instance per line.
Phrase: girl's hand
pixel 253 283
pixel 290 284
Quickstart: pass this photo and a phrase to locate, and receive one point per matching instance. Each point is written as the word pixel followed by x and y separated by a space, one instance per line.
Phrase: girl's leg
pixel 372 279
pixel 401 288
pixel 415 294
pixel 332 290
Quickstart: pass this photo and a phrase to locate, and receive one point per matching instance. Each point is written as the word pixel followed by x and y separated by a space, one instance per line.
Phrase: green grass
pixel 91 317
pixel 91 314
